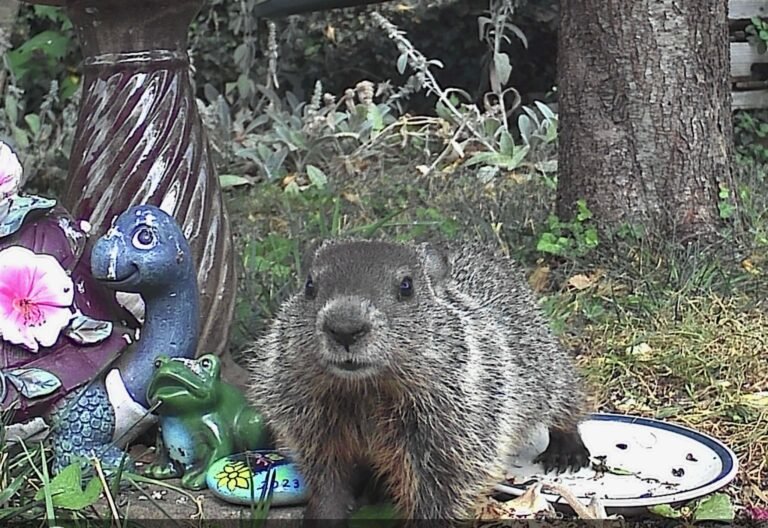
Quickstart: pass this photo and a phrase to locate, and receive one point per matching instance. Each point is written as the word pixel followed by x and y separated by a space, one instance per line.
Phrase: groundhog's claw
pixel 565 451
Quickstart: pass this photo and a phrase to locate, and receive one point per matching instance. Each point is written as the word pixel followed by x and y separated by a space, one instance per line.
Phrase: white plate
pixel 669 463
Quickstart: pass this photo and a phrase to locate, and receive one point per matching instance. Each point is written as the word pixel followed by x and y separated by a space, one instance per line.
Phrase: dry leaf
pixel 756 399
pixel 539 278
pixel 749 266
pixel 641 350
pixel 580 282
pixel 288 179
pixel 330 33
pixel 593 510
pixel 351 197
pixel 531 502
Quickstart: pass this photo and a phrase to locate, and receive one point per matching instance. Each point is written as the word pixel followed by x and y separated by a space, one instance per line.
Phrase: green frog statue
pixel 202 419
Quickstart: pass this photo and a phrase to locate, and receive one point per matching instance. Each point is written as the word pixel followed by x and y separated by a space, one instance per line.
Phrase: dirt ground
pixel 181 510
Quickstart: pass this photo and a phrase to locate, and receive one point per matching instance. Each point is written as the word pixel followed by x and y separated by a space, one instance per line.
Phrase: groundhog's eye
pixel 406 287
pixel 309 287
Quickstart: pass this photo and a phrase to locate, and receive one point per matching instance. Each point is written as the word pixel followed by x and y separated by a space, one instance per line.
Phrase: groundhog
pixel 426 364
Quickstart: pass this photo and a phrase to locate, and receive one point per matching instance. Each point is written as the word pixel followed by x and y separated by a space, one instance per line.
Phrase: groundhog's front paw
pixel 565 451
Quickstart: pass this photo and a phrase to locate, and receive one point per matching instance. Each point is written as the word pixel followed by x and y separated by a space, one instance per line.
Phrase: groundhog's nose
pixel 347 332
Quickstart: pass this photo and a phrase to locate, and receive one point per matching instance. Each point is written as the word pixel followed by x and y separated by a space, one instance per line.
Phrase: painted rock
pixel 241 478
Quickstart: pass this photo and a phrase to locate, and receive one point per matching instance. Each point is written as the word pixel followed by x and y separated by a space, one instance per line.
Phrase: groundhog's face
pixel 363 299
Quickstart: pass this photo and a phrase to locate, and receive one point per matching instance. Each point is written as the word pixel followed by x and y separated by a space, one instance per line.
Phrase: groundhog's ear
pixel 435 261
pixel 307 255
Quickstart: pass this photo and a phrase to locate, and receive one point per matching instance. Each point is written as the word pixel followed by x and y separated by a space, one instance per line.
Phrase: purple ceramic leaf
pixel 87 331
pixel 17 208
pixel 33 382
pixel 55 233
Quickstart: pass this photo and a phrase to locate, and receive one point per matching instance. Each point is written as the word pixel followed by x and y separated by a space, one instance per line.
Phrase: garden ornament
pixel 140 140
pixel 58 326
pixel 144 252
pixel 62 356
pixel 242 478
pixel 202 419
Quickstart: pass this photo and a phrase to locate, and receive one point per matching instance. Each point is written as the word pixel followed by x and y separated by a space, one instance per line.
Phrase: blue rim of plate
pixel 727 457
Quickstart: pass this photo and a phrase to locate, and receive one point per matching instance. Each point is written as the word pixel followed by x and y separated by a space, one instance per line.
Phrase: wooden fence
pixel 749 69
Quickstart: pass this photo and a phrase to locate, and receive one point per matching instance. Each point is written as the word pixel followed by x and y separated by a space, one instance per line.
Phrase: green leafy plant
pixel 715 507
pixel 47 54
pixel 294 139
pixel 495 28
pixel 67 492
pixel 575 238
pixel 725 204
pixel 757 33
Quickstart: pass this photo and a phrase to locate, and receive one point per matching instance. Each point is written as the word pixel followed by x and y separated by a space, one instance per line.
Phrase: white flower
pixel 10 172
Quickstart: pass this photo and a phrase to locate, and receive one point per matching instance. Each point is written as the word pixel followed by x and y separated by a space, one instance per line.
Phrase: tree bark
pixel 645 118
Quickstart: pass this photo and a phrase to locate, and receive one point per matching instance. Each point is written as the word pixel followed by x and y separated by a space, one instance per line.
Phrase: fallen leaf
pixel 539 278
pixel 330 33
pixel 641 351
pixel 288 179
pixel 527 506
pixel 351 197
pixel 756 399
pixel 750 266
pixel 529 503
pixel 580 282
pixel 593 510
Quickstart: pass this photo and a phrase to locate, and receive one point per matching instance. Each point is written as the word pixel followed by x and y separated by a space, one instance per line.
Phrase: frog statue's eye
pixel 144 238
pixel 158 363
pixel 206 363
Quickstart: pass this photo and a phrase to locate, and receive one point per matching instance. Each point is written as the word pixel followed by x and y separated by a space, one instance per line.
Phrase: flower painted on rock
pixel 10 172
pixel 35 298
pixel 234 475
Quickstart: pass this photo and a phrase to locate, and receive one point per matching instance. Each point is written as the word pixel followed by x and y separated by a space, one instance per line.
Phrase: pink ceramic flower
pixel 35 298
pixel 10 172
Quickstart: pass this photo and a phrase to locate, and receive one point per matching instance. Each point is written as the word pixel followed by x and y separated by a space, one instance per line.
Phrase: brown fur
pixel 450 380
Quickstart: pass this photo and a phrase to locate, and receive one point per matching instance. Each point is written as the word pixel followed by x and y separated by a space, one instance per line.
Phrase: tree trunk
pixel 644 102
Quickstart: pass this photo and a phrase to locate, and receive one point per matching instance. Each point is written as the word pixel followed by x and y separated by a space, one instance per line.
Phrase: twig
pixel 595 510
pixel 420 63
pixel 105 485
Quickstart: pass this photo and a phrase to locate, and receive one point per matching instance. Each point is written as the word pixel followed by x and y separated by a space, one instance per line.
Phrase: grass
pixel 693 358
